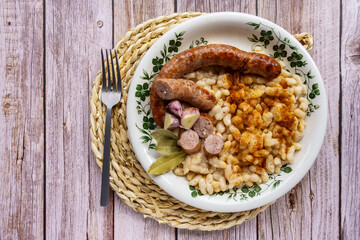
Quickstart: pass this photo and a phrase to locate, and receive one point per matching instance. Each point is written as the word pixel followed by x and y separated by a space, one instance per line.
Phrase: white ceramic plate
pixel 243 31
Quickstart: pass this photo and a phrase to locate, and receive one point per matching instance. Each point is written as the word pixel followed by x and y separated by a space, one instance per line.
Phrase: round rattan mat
pixel 127 177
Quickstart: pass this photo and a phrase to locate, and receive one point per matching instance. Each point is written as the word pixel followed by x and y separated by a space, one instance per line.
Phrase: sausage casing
pixel 201 56
pixel 184 90
pixel 221 55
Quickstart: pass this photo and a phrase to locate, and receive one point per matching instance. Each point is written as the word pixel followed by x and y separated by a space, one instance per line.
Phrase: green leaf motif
pixel 199 42
pixel 251 194
pixel 276 184
pixel 166 53
pixel 194 194
pixel 245 190
pixel 181 34
pixel 146 75
pixel 145 139
pixel 142 130
pixel 191 45
pixel 256 25
pixel 267 35
pixel 257 188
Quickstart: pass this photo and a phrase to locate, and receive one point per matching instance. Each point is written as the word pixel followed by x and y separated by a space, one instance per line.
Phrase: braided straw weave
pixel 127 177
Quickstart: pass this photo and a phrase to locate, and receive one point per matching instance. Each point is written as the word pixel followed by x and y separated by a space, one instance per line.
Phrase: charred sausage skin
pixel 212 54
pixel 185 90
pixel 222 55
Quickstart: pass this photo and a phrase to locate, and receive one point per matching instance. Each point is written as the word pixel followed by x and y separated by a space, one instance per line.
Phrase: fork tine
pixel 109 75
pixel 103 71
pixel 113 72
pixel 118 73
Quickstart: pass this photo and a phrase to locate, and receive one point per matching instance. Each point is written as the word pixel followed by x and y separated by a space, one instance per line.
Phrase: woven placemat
pixel 127 177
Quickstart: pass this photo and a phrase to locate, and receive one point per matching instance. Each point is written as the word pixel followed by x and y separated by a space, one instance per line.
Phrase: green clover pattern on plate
pixel 246 193
pixel 143 90
pixel 283 49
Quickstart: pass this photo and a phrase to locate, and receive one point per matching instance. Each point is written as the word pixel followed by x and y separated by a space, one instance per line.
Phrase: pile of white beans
pixel 242 162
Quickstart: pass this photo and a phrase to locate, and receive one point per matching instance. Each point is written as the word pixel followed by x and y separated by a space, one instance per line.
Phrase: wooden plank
pixel 130 13
pixel 75 32
pixel 132 225
pixel 247 6
pixel 350 116
pixel 310 210
pixel 245 231
pixel 21 120
pixel 129 224
pixel 248 229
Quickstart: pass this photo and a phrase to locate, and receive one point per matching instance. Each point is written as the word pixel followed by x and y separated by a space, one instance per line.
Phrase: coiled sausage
pixel 212 54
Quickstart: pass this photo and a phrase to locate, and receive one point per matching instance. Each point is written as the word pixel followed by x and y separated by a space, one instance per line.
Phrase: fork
pixel 109 97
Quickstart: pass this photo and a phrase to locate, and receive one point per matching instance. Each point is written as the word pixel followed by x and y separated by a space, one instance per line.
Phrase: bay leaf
pixel 166 163
pixel 162 134
pixel 167 146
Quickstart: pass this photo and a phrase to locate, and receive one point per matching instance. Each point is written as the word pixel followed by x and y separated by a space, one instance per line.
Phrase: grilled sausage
pixel 184 90
pixel 204 126
pixel 158 107
pixel 190 142
pixel 222 55
pixel 213 145
pixel 212 54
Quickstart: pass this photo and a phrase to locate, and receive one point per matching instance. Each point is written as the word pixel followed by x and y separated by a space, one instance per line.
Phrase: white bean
pixel 220 127
pixel 227 120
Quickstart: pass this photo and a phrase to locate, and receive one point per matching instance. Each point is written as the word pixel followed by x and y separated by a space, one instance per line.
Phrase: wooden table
pixel 50 184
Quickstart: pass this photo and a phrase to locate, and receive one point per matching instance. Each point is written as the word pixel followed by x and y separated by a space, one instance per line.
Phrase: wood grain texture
pixel 311 209
pixel 63 203
pixel 130 13
pixel 21 120
pixel 132 225
pixel 129 224
pixel 247 6
pixel 75 32
pixel 248 229
pixel 350 116
pixel 245 231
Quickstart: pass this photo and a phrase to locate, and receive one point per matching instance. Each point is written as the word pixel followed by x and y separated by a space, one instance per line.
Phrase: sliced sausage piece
pixel 213 145
pixel 184 90
pixel 190 142
pixel 204 126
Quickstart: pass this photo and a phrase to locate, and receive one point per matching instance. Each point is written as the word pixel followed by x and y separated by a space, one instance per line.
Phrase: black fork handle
pixel 104 201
